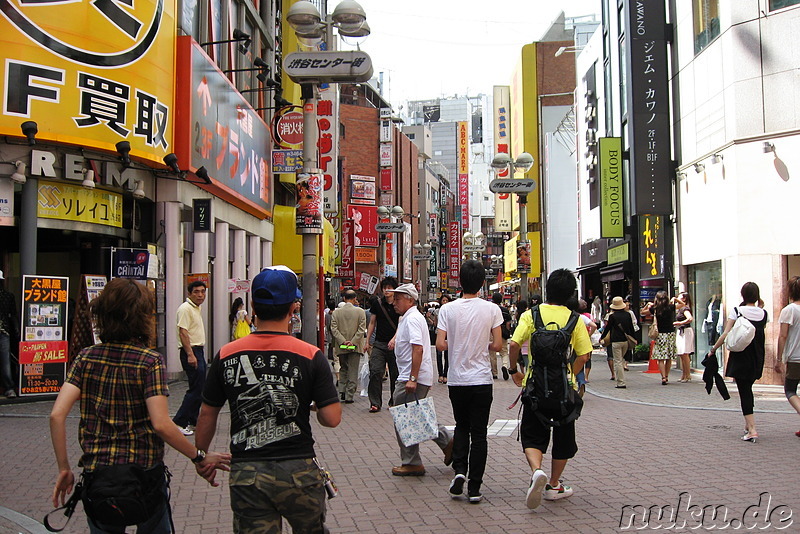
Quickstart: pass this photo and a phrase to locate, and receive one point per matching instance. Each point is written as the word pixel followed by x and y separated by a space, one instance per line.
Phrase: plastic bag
pixel 363 377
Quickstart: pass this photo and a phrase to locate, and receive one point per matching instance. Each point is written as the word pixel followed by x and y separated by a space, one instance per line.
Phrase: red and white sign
pixel 386 179
pixel 289 129
pixel 328 146
pixel 238 286
pixel 386 155
pixel 364 219
pixel 347 268
pixel 463 198
pixel 363 281
pixel 43 352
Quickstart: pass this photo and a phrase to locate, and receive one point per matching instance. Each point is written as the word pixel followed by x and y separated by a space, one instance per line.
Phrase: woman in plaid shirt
pixel 123 400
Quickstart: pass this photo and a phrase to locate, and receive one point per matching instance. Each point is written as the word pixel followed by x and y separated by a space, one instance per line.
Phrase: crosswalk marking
pixel 501 428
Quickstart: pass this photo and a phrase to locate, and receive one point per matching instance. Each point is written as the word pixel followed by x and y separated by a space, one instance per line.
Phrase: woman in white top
pixel 789 345
pixel 684 338
pixel 746 366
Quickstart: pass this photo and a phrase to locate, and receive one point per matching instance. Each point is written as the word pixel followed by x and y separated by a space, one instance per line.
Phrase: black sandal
pixel 664 380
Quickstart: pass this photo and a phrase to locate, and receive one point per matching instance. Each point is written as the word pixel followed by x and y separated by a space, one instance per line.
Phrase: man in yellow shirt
pixel 192 339
pixel 534 434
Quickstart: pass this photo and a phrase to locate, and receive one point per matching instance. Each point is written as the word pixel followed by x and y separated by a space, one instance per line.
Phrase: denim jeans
pixel 6 380
pixel 471 406
pixel 190 407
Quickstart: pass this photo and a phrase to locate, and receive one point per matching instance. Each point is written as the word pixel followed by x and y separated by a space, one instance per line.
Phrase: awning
pixel 614 272
pixel 591 266
pixel 288 247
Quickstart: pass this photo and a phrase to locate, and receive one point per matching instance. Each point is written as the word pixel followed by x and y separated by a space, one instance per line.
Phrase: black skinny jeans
pixel 745 388
pixel 471 406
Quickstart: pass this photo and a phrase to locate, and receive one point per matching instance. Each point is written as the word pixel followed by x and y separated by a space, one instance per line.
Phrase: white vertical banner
pixel 503 202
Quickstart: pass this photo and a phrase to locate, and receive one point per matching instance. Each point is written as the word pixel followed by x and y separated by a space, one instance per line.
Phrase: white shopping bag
pixel 363 377
pixel 415 421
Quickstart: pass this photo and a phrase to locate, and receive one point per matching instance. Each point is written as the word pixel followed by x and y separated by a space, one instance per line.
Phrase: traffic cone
pixel 652 366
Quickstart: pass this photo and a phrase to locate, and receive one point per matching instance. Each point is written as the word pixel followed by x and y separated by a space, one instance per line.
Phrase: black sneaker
pixel 505 372
pixel 457 485
pixel 475 497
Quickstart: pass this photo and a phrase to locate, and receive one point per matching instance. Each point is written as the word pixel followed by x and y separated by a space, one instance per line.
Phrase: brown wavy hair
pixel 123 312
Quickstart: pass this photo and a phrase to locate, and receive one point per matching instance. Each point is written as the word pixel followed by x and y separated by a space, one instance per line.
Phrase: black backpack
pixel 505 328
pixel 547 390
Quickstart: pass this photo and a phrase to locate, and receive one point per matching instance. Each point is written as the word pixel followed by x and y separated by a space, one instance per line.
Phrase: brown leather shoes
pixel 448 453
pixel 408 471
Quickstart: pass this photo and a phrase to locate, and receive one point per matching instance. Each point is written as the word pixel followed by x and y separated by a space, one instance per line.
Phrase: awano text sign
pixel 90 73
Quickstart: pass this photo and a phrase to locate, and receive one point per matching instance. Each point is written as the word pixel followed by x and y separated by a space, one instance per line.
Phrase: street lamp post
pixel 395 212
pixel 523 164
pixel 350 20
pixel 422 257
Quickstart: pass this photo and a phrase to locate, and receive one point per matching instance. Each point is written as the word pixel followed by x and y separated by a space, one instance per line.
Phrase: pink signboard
pixel 364 219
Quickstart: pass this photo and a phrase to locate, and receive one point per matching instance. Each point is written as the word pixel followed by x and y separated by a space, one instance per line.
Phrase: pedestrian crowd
pixel 273 382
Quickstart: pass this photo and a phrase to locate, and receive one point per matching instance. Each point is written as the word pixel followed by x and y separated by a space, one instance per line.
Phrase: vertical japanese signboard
pixel 454 243
pixel 90 74
pixel 328 145
pixel 503 202
pixel 611 223
pixel 202 220
pixel 347 267
pixel 652 242
pixel 649 105
pixel 463 171
pixel 43 350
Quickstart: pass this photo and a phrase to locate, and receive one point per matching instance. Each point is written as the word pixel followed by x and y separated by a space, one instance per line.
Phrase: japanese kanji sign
pixel 503 202
pixel 462 134
pixel 649 105
pixel 454 245
pixel 59 200
pixel 286 161
pixel 328 146
pixel 221 132
pixel 90 73
pixel 328 67
pixel 44 348
pixel 652 241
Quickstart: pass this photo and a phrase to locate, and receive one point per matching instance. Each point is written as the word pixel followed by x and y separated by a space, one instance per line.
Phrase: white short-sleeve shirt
pixel 469 324
pixel 413 330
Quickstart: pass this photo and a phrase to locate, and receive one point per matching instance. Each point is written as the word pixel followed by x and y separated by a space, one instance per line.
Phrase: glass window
pixel 705 289
pixel 778 4
pixel 706 22
pixel 623 77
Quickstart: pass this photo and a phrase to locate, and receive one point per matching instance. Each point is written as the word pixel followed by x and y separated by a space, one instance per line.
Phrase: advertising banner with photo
pixel 43 349
pixel 308 209
pixel 503 202
pixel 362 189
pixel 90 74
pixel 347 267
pixel 364 219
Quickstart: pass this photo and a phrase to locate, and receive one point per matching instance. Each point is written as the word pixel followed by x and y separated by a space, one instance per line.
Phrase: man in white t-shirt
pixel 469 329
pixel 415 375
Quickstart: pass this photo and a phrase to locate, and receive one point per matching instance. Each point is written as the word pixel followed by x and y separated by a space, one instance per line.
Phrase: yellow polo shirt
pixel 190 319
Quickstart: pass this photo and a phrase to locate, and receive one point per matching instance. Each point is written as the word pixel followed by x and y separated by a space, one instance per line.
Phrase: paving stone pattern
pixel 644 445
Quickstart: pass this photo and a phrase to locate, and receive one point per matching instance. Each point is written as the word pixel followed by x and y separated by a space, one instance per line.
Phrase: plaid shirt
pixel 115 379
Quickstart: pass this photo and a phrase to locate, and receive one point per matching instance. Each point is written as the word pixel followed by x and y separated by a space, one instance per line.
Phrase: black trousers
pixel 471 406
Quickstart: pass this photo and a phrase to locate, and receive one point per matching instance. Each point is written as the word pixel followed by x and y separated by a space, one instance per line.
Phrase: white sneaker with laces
pixel 562 491
pixel 534 496
pixel 185 430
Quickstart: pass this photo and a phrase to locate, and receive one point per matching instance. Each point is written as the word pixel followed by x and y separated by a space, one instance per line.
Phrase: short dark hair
pixel 497 298
pixel 536 299
pixel 196 283
pixel 271 312
pixel 123 312
pixel 794 288
pixel 389 281
pixel 561 285
pixel 472 276
pixel 750 293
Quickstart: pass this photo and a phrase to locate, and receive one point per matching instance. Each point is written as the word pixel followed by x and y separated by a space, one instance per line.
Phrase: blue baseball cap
pixel 275 285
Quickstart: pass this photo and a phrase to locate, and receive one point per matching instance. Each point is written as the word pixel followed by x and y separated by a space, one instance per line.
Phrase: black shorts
pixel 536 435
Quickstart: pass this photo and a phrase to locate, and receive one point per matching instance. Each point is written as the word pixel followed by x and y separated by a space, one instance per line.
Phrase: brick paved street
pixel 634 449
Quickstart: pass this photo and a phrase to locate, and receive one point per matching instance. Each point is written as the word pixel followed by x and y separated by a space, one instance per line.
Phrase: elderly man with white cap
pixel 413 351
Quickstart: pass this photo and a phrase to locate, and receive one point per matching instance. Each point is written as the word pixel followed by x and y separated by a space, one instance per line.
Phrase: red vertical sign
pixel 347 268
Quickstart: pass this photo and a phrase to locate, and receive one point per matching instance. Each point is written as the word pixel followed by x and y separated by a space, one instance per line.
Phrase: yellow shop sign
pixel 59 200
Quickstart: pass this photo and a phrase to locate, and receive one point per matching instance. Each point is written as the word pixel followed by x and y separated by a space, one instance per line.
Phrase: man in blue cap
pixel 272 381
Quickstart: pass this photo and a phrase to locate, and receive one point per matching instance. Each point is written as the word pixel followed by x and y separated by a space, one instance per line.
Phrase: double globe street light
pixel 523 164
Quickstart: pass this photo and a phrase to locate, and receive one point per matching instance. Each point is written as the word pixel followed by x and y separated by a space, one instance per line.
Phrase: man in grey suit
pixel 349 328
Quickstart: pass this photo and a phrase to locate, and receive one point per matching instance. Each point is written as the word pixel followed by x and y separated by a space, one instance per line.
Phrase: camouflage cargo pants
pixel 263 492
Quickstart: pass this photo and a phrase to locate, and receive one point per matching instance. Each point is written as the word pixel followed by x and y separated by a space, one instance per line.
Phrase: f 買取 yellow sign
pixel 59 200
pixel 90 73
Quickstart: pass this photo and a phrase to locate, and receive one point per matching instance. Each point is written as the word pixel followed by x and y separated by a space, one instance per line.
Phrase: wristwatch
pixel 412 378
pixel 201 455
pixel 513 371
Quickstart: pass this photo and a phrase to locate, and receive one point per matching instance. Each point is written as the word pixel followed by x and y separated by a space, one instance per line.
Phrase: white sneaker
pixel 534 496
pixel 10 394
pixel 561 491
pixel 185 430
